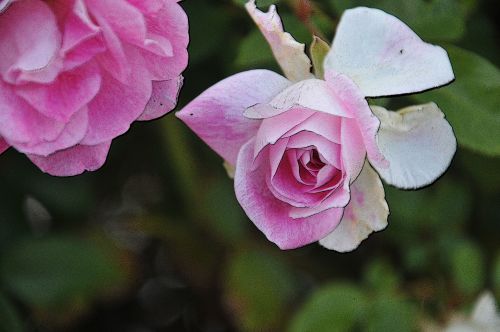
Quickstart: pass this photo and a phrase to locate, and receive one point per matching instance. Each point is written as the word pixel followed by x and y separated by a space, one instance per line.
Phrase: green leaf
pixel 53 272
pixel 468 267
pixel 336 307
pixel 389 313
pixel 248 57
pixel 381 276
pixel 9 318
pixel 471 102
pixel 319 49
pixel 258 290
pixel 442 20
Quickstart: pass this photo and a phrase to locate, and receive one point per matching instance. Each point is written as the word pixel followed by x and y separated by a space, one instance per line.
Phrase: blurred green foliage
pixel 155 240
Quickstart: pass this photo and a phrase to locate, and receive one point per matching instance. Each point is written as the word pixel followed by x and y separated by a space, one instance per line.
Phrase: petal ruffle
pixel 367 212
pixel 71 91
pixel 288 52
pixel 216 115
pixel 116 106
pixel 271 215
pixel 73 132
pixel 31 26
pixel 21 123
pixel 418 143
pixel 384 56
pixel 74 160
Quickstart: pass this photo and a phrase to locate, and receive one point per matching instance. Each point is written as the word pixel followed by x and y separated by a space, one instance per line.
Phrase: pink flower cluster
pixel 74 75
pixel 306 150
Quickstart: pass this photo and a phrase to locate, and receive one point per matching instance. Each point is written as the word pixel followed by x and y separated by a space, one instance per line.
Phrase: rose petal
pixel 321 124
pixel 71 135
pixel 287 51
pixel 384 56
pixel 81 40
pixel 163 98
pixel 71 91
pixel 349 96
pixel 366 212
pixel 418 143
pixel 31 26
pixel 338 198
pixel 3 145
pixel 73 161
pixel 217 114
pixel 271 215
pixel 21 123
pixel 116 106
pixel 272 129
pixel 328 150
pixel 170 23
pixel 312 93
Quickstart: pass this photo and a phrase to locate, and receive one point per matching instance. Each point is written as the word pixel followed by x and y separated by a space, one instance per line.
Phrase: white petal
pixel 288 52
pixel 418 143
pixel 384 56
pixel 367 212
pixel 485 311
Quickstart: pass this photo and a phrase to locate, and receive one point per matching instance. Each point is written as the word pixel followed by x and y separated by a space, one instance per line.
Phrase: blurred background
pixel 156 241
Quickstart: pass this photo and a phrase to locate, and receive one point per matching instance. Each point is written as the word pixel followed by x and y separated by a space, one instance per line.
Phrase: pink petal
pixel 114 60
pixel 82 39
pixel 129 24
pixel 148 6
pixel 217 114
pixel 31 26
pixel 338 199
pixel 366 212
pixel 271 215
pixel 287 51
pixel 3 145
pixel 116 106
pixel 286 188
pixel 169 23
pixel 322 124
pixel 71 135
pixel 21 123
pixel 328 150
pixel 272 129
pixel 73 161
pixel 163 99
pixel 384 56
pixel 353 102
pixel 71 91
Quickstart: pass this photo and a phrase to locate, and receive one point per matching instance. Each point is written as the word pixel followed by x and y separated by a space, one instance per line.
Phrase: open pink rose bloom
pixel 74 75
pixel 309 153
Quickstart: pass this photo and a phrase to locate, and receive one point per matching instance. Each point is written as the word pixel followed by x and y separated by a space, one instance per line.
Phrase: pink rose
pixel 303 148
pixel 76 73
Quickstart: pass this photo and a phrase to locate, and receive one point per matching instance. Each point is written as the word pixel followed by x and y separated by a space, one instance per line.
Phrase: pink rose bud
pixel 74 75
